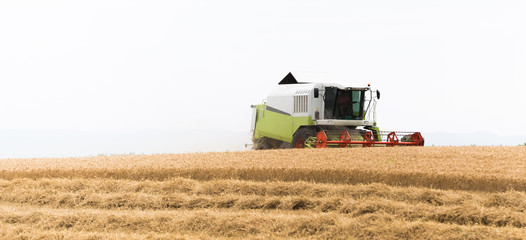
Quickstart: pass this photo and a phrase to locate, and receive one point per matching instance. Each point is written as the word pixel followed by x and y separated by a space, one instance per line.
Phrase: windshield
pixel 343 104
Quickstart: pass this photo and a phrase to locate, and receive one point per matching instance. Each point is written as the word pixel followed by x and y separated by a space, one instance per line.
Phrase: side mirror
pixel 377 94
pixel 316 92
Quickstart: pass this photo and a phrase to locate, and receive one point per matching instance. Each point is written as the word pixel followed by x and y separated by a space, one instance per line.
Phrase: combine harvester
pixel 319 115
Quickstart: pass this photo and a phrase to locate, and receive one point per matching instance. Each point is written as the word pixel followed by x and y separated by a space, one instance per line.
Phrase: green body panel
pixel 376 132
pixel 277 125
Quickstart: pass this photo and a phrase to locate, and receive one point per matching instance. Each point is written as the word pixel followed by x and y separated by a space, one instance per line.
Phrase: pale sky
pixel 197 66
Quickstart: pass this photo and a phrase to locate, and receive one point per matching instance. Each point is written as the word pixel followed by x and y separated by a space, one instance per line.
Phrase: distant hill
pixel 467 139
pixel 61 143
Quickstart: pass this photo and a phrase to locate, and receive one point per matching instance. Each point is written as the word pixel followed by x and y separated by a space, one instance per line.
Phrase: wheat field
pixel 354 193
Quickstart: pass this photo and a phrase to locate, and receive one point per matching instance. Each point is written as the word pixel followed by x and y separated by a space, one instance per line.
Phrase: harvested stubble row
pixel 384 193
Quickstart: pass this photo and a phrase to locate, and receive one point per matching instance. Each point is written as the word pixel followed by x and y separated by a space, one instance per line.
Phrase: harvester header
pixel 318 114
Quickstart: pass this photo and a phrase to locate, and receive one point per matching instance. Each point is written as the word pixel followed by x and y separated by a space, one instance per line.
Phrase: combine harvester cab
pixel 317 115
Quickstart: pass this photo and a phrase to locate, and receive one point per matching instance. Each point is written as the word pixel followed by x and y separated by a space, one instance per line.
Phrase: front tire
pixel 302 134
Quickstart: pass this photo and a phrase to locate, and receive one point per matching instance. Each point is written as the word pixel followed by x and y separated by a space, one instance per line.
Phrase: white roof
pixel 311 77
pixel 296 82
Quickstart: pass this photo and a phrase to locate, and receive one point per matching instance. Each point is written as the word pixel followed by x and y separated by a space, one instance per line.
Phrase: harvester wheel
pixel 302 134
